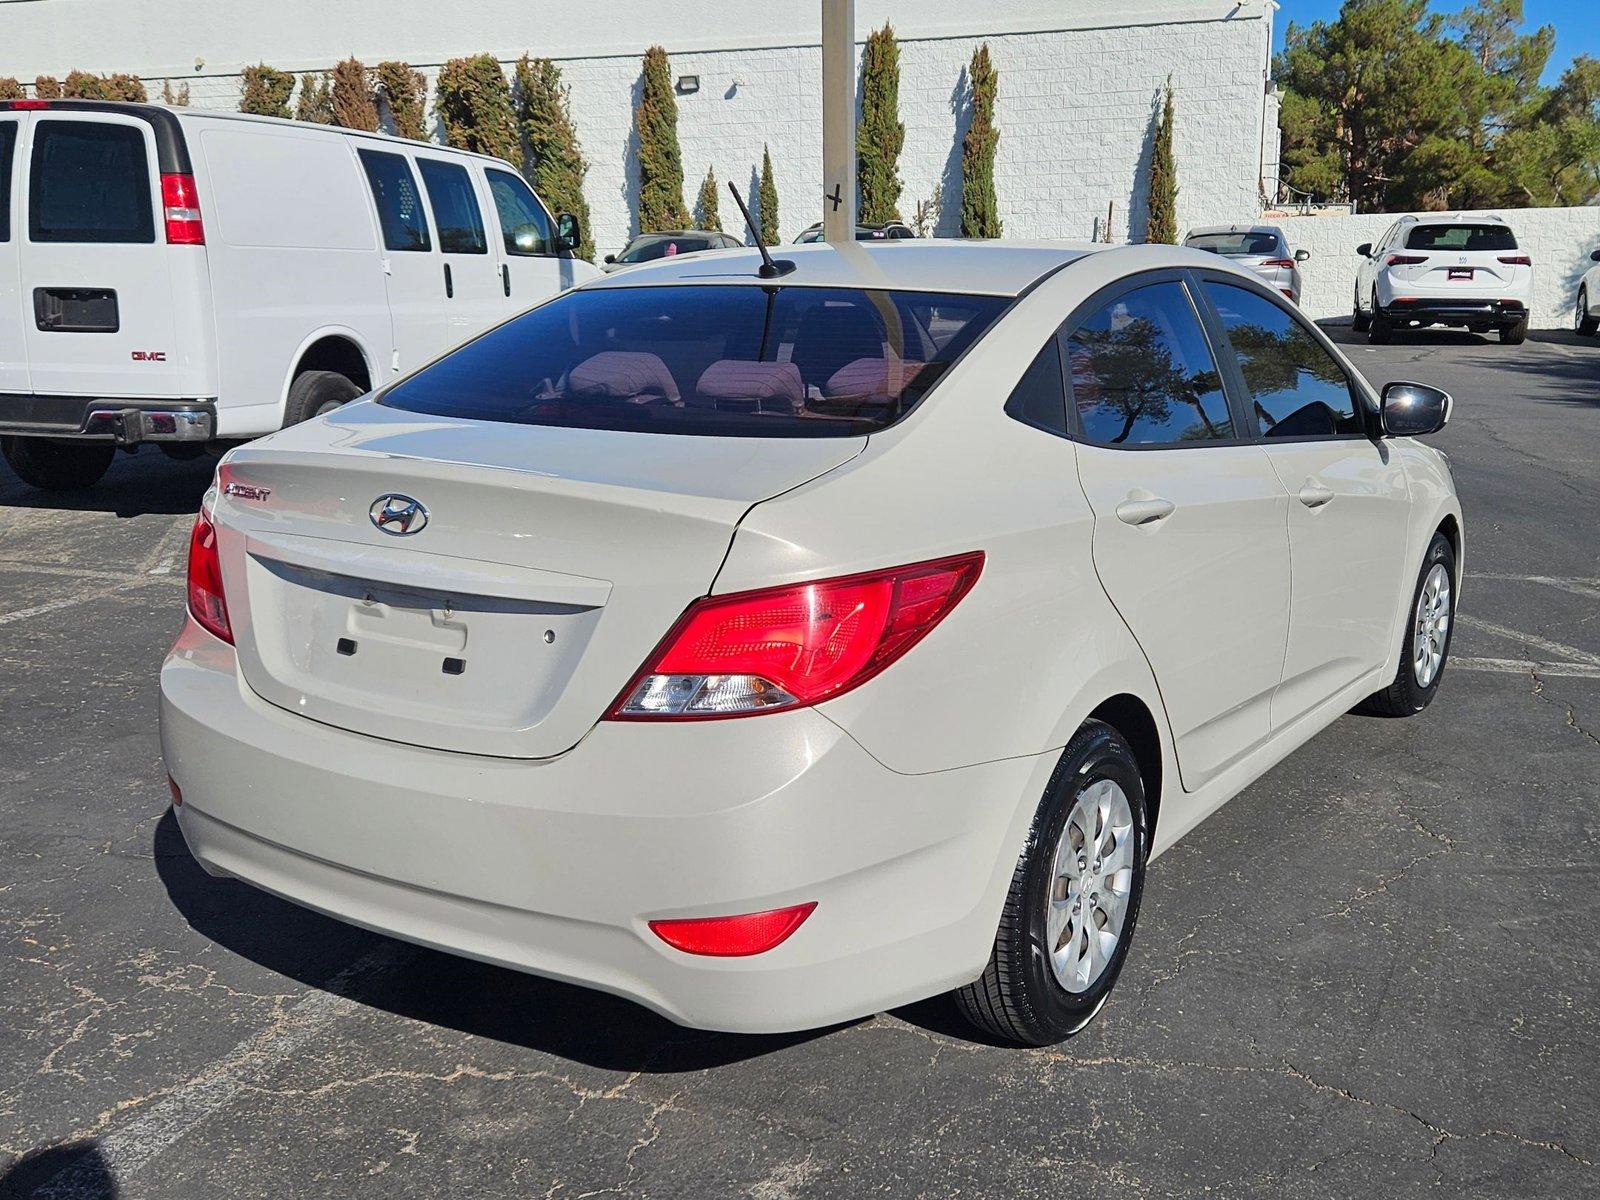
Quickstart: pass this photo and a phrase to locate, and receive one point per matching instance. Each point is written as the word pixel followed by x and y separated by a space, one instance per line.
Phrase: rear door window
pixel 455 207
pixel 8 145
pixel 1464 237
pixel 394 191
pixel 89 182
pixel 1296 387
pixel 1142 373
pixel 523 222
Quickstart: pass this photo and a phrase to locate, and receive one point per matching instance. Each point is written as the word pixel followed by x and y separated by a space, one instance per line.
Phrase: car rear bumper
pixel 1451 310
pixel 107 419
pixel 556 866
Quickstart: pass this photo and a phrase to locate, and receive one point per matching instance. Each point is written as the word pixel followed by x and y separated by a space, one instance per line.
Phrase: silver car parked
pixel 1263 249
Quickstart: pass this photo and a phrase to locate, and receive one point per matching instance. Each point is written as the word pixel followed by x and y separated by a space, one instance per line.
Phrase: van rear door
pixel 13 351
pixel 97 291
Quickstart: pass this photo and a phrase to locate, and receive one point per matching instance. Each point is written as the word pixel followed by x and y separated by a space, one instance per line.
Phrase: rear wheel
pixel 1427 642
pixel 1379 330
pixel 1073 901
pixel 57 464
pixel 1515 335
pixel 315 393
pixel 1359 321
pixel 1582 322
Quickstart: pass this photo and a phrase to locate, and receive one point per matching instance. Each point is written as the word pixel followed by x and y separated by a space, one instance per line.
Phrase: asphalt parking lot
pixel 1375 973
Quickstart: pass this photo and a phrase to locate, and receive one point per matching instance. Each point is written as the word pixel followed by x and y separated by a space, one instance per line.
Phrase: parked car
pixel 647 247
pixel 783 648
pixel 1586 310
pixel 189 276
pixel 1445 269
pixel 889 231
pixel 1263 249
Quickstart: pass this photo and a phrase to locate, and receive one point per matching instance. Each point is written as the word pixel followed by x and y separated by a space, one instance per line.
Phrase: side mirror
pixel 569 234
pixel 1365 249
pixel 1414 409
pixel 1302 255
pixel 611 258
pixel 1594 256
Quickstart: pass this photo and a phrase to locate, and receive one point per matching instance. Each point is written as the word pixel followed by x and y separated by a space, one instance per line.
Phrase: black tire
pixel 1359 321
pixel 1406 696
pixel 58 464
pixel 1018 998
pixel 1582 322
pixel 316 392
pixel 1379 330
pixel 1515 335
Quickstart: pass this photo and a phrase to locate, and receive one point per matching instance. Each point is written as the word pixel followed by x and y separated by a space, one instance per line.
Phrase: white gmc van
pixel 183 277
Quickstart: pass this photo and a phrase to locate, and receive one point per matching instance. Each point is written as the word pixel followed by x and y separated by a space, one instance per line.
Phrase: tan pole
pixel 839 121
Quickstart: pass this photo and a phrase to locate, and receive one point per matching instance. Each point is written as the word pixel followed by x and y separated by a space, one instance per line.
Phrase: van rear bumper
pixel 110 419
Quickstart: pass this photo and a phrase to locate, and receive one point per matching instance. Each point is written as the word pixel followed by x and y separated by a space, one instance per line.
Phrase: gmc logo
pixel 149 356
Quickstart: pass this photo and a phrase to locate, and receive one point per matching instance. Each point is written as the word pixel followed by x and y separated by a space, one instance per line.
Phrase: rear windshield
pixel 1233 243
pixel 724 361
pixel 1460 237
pixel 90 182
pixel 660 247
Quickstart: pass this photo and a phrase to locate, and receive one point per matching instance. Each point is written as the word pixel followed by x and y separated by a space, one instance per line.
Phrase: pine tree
pixel 706 215
pixel 555 164
pixel 352 102
pixel 266 91
pixel 660 160
pixel 474 101
pixel 1161 213
pixel 47 87
pixel 980 209
pixel 767 208
pixel 315 103
pixel 178 96
pixel 881 135
pixel 406 92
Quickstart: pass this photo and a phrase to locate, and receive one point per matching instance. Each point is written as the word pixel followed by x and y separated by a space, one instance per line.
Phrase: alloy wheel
pixel 1092 881
pixel 1431 626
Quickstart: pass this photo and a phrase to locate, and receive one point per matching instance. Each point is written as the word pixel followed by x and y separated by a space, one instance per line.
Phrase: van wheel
pixel 1427 643
pixel 1359 321
pixel 1074 898
pixel 58 464
pixel 314 393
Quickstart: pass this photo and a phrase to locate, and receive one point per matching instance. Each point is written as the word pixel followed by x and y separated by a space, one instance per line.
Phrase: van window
pixel 8 145
pixel 523 222
pixel 90 182
pixel 455 207
pixel 394 191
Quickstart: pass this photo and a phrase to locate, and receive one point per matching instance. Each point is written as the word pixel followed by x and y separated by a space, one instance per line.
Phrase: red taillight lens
pixel 787 647
pixel 1286 264
pixel 29 105
pixel 207 604
pixel 182 207
pixel 177 792
pixel 1405 260
pixel 731 937
pixel 1516 260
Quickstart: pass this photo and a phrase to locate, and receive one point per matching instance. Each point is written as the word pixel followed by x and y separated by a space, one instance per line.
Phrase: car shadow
pixel 75 1168
pixel 571 1022
pixel 141 484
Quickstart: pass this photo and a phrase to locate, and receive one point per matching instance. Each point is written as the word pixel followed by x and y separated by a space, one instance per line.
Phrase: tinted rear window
pixel 394 191
pixel 90 183
pixel 1460 237
pixel 455 207
pixel 1234 243
pixel 726 361
pixel 646 249
pixel 8 142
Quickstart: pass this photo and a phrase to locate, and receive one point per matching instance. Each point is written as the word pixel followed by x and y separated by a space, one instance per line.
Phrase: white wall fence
pixel 1558 239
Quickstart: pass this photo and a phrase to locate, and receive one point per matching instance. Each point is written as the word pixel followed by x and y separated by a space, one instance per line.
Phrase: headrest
pixel 871 378
pixel 623 375
pixel 770 386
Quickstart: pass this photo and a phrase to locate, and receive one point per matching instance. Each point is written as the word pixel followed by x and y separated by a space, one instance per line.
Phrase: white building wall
pixel 1559 241
pixel 1079 86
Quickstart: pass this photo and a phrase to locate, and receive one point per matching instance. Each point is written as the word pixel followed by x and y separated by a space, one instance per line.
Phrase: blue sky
pixel 1577 30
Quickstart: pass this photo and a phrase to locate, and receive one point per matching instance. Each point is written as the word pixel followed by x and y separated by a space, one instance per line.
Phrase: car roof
pixel 997 268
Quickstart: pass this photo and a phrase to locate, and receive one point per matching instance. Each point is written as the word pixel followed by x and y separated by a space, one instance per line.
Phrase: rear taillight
pixel 787 647
pixel 1284 264
pixel 29 105
pixel 181 204
pixel 1405 260
pixel 207 604
pixel 733 937
pixel 1516 260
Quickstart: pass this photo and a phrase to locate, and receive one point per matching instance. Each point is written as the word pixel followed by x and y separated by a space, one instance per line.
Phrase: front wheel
pixel 1582 322
pixel 1427 642
pixel 58 464
pixel 1074 898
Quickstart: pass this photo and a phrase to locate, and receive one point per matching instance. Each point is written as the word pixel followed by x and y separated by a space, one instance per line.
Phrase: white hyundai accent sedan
pixel 773 649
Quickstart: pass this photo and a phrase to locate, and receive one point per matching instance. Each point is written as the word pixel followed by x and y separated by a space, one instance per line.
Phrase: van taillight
pixel 207 604
pixel 29 105
pixel 182 206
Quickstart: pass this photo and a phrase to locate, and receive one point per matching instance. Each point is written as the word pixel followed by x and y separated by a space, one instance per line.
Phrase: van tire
pixel 58 464
pixel 316 392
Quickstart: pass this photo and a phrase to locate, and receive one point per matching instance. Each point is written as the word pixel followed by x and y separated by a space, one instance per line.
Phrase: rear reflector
pixel 207 604
pixel 733 937
pixel 177 792
pixel 182 207
pixel 1516 260
pixel 788 647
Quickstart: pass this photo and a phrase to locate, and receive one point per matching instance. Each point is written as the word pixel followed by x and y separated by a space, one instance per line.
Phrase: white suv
pixel 1444 270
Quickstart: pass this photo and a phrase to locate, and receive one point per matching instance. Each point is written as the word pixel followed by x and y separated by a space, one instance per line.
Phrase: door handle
pixel 449 284
pixel 505 276
pixel 1141 508
pixel 1314 495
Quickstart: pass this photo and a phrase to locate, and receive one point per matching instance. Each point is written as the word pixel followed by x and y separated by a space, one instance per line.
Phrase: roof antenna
pixel 769 269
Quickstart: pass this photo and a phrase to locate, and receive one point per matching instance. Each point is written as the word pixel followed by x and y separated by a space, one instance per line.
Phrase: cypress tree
pixel 474 102
pixel 315 103
pixel 660 160
pixel 980 210
pixel 706 215
pixel 1161 220
pixel 352 102
pixel 555 164
pixel 266 91
pixel 767 206
pixel 881 135
pixel 47 87
pixel 406 92
pixel 11 89
pixel 178 96
pixel 81 85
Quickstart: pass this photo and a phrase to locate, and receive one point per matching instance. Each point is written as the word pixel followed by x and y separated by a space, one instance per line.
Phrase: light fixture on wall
pixel 688 85
pixel 199 63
